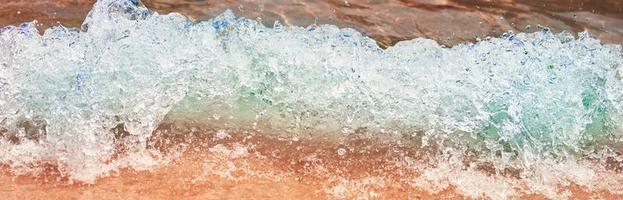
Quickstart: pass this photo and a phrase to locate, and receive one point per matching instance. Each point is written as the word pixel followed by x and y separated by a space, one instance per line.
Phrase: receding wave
pixel 547 106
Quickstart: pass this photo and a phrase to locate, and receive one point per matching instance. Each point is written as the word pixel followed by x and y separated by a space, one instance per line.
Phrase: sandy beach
pixel 243 166
pixel 435 99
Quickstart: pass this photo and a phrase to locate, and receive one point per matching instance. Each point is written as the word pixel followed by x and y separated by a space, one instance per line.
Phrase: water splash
pixel 517 101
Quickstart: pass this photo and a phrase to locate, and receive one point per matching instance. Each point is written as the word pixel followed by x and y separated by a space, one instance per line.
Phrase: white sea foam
pixel 520 100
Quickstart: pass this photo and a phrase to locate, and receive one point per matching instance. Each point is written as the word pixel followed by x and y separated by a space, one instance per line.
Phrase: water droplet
pixel 341 151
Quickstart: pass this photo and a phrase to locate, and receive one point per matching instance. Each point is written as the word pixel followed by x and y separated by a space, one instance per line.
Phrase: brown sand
pixel 284 169
pixel 259 168
pixel 447 21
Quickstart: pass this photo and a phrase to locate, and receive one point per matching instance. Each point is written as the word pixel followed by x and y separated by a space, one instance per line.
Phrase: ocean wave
pixel 527 101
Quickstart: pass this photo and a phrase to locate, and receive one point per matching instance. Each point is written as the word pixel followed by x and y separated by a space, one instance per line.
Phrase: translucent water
pixel 527 101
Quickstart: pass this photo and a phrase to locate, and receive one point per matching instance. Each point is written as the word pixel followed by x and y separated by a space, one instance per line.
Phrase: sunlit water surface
pixel 130 88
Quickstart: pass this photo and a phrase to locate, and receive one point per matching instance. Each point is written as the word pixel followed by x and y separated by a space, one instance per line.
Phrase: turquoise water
pixel 518 100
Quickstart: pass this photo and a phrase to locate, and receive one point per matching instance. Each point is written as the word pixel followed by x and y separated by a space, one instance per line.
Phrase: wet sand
pixel 241 166
pixel 252 166
pixel 262 167
pixel 449 22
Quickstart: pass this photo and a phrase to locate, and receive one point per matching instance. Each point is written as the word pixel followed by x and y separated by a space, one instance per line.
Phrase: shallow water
pixel 447 21
pixel 527 113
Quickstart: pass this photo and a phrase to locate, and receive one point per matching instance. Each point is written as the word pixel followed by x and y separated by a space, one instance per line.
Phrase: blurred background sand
pixel 388 21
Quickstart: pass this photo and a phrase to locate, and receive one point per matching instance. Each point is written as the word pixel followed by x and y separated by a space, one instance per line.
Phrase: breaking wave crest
pixel 526 101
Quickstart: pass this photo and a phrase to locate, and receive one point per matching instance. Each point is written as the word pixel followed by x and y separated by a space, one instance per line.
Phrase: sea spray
pixel 517 101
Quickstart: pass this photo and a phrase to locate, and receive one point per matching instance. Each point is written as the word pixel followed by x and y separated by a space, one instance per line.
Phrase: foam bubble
pixel 518 100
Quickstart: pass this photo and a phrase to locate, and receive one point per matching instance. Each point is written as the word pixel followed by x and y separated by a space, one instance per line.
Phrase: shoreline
pixel 234 167
pixel 447 22
pixel 335 115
